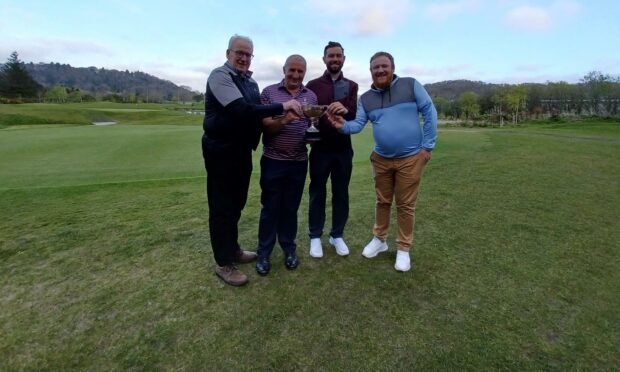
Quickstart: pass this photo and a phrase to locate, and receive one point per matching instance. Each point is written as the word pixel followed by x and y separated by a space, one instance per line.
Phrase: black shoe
pixel 263 266
pixel 291 261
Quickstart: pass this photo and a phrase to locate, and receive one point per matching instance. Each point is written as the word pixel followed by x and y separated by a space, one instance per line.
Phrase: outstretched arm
pixel 349 127
pixel 335 120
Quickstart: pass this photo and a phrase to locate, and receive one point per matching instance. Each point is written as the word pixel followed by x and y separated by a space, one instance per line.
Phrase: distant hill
pixel 452 89
pixel 148 87
pixel 103 81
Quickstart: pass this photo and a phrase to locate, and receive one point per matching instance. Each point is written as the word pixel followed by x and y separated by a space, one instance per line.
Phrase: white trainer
pixel 316 249
pixel 340 245
pixel 375 247
pixel 403 262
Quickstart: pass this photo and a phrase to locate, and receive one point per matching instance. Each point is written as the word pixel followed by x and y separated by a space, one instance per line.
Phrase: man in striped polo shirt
pixel 283 167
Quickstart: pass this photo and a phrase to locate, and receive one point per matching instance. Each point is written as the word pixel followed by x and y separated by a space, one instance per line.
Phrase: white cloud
pixel 374 22
pixel 269 71
pixel 54 50
pixel 271 11
pixel 59 46
pixel 441 11
pixel 529 18
pixel 9 11
pixel 538 18
pixel 566 8
pixel 176 74
pixel 365 17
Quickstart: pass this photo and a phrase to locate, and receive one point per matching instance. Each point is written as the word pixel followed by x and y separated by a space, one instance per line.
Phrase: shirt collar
pixel 248 74
pixel 327 75
pixel 301 89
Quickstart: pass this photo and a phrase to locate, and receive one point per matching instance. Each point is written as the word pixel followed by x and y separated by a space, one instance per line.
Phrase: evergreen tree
pixel 15 81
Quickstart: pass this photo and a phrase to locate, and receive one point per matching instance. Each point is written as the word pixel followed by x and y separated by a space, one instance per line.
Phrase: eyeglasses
pixel 240 54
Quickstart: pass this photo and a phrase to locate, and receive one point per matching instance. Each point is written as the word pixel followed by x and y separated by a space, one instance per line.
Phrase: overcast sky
pixel 510 41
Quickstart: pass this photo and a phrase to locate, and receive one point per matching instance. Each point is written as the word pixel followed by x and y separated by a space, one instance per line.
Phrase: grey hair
pixel 294 56
pixel 236 37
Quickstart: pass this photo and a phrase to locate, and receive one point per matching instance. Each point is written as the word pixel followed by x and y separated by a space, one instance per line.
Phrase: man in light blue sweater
pixel 403 146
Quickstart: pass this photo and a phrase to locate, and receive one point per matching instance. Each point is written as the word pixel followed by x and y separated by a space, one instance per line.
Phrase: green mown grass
pixel 66 156
pixel 86 113
pixel 105 260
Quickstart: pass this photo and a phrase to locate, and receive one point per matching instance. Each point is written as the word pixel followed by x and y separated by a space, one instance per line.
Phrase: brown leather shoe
pixel 231 275
pixel 245 256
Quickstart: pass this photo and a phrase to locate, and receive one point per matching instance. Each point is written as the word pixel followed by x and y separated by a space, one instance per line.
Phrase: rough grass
pixel 105 262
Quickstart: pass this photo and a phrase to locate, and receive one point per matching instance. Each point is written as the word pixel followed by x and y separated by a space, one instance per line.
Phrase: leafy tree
pixel 468 101
pixel 87 97
pixel 74 95
pixel 485 100
pixel 113 97
pixel 131 97
pixel 15 81
pixel 600 92
pixel 499 102
pixel 534 102
pixel 198 97
pixel 57 94
pixel 516 99
pixel 559 97
pixel 441 105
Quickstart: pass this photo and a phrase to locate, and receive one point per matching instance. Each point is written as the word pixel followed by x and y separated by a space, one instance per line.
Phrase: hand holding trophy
pixel 313 112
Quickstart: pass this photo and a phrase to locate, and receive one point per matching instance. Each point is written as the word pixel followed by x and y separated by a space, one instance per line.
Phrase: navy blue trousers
pixel 338 167
pixel 282 184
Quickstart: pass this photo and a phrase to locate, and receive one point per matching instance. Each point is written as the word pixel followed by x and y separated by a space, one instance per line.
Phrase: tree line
pixel 597 94
pixel 61 83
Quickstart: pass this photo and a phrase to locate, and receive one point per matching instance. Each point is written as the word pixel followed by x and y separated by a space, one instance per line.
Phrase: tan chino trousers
pixel 397 179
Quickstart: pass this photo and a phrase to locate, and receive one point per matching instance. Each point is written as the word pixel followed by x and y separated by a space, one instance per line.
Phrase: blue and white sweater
pixel 395 116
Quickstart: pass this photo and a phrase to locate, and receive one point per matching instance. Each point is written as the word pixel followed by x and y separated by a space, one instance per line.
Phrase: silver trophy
pixel 313 112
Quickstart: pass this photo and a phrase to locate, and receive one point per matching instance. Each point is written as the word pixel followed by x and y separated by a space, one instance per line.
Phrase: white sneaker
pixel 316 249
pixel 340 245
pixel 375 247
pixel 403 262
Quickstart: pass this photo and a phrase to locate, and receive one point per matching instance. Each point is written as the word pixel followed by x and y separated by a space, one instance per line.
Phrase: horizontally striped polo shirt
pixel 288 143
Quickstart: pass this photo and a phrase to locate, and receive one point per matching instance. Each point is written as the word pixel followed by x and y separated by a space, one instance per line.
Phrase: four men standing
pixel 235 116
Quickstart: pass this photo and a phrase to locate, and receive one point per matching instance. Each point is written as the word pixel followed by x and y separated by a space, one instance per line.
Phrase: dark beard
pixel 334 69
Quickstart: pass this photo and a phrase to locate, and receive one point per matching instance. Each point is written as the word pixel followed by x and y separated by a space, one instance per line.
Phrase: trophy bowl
pixel 313 112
